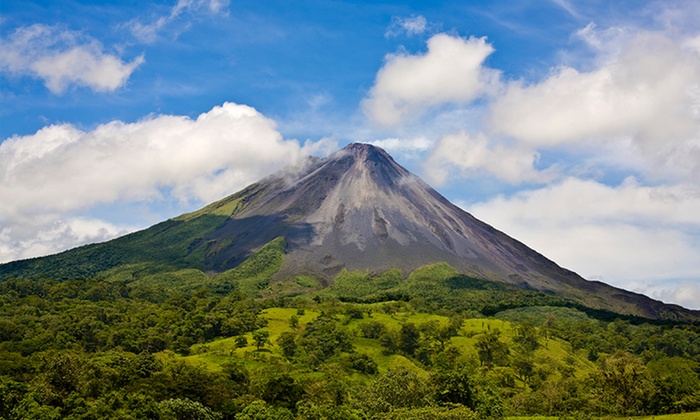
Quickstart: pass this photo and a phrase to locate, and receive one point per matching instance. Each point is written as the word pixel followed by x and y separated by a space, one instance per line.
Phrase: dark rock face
pixel 358 209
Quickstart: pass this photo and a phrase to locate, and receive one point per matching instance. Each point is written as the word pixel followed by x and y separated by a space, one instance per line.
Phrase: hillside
pixel 117 349
pixel 182 344
pixel 357 210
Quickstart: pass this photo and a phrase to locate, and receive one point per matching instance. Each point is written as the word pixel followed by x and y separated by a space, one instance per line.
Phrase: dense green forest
pixel 437 345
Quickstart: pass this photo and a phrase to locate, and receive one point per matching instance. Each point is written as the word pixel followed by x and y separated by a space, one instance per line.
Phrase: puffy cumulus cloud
pixel 647 93
pixel 472 155
pixel 451 71
pixel 62 58
pixel 60 172
pixel 148 32
pixel 629 235
pixel 61 168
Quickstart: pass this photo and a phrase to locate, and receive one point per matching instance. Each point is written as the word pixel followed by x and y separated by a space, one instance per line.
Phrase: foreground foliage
pixel 371 347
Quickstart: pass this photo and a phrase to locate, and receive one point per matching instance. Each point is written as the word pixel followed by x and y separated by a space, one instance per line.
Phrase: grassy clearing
pixel 553 353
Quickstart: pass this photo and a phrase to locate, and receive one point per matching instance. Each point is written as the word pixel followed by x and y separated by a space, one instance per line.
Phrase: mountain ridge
pixel 356 210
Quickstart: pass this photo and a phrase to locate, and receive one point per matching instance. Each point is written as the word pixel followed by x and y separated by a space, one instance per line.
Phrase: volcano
pixel 357 210
pixel 360 210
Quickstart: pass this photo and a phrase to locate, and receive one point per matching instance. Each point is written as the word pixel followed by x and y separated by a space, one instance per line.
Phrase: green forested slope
pixel 166 246
pixel 174 244
pixel 187 345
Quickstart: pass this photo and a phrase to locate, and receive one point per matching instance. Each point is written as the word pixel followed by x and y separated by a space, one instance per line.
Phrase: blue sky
pixel 573 126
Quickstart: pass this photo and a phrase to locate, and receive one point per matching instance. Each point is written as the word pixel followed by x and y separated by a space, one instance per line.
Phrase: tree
pixel 238 375
pixel 398 388
pixel 241 341
pixel 676 383
pixel 435 332
pixel 354 312
pixel 261 338
pixel 390 340
pixel 184 409
pixel 524 364
pixel 623 384
pixel 312 411
pixel 324 338
pixel 454 386
pixel 11 331
pixel 491 350
pixel 362 363
pixel 260 410
pixel 329 390
pixel 294 321
pixel 287 343
pixel 62 374
pixel 282 390
pixel 489 403
pixel 526 337
pixel 145 365
pixel 180 379
pixel 409 338
pixel 372 329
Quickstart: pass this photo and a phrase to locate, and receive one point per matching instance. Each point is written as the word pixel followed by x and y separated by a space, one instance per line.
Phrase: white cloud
pixel 683 293
pixel 647 94
pixel 61 170
pixel 607 42
pixel 644 93
pixel 148 32
pixel 62 58
pixel 676 16
pixel 629 235
pixel 451 71
pixel 48 234
pixel 475 154
pixel 413 25
pixel 692 43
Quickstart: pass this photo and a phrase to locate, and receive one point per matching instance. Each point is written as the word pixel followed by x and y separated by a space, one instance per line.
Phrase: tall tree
pixel 261 338
pixel 287 343
pixel 492 351
pixel 622 383
pixel 409 338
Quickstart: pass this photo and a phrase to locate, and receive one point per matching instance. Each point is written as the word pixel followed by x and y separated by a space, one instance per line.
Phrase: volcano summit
pixel 360 210
pixel 357 210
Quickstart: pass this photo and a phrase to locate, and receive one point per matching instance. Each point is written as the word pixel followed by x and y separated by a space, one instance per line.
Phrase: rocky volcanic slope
pixel 357 209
